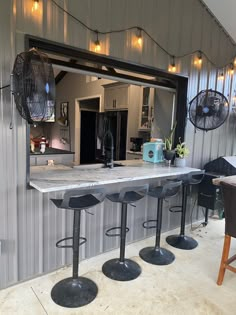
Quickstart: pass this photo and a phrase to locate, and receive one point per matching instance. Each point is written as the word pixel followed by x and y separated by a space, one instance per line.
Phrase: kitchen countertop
pixel 60 177
pixel 135 152
pixel 50 151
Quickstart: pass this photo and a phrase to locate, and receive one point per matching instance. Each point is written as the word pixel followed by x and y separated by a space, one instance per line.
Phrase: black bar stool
pixel 182 241
pixel 76 291
pixel 157 255
pixel 123 269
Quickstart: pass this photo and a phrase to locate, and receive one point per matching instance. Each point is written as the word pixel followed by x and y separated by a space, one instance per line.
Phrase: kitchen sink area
pixel 98 165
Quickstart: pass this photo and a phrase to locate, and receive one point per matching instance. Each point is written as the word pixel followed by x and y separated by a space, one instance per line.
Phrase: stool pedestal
pixel 157 255
pixel 74 291
pixel 122 269
pixel 182 241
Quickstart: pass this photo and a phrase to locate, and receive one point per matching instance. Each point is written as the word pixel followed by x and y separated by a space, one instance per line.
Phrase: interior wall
pixel 75 87
pixel 164 113
pixel 72 87
pixel 29 225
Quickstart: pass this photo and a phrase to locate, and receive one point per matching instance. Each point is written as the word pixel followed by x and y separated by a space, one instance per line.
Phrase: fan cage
pixel 208 110
pixel 34 86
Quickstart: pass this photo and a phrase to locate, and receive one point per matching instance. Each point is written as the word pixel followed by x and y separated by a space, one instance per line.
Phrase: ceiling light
pixel 221 76
pixel 35 6
pixel 97 44
pixel 140 39
pixel 231 69
pixel 172 66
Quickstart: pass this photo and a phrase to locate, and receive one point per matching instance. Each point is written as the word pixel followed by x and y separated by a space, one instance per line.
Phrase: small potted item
pixel 181 153
pixel 168 151
pixel 43 145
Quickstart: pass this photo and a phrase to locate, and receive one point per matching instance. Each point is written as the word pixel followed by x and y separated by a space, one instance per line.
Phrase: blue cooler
pixel 153 151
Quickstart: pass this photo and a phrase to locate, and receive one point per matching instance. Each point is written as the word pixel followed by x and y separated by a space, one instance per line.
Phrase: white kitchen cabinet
pixel 65 159
pixel 134 155
pixel 146 109
pixel 116 96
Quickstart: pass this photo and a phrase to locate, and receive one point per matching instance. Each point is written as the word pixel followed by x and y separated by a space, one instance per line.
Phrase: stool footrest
pixel 115 234
pixel 58 244
pixel 175 209
pixel 147 226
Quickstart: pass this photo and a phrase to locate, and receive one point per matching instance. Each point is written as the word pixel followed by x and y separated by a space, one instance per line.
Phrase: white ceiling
pixel 225 12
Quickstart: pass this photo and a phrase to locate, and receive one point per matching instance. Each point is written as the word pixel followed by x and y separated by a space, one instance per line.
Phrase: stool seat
pixel 168 189
pixel 74 201
pixel 127 195
pixel 157 255
pixel 123 269
pixel 76 291
pixel 182 241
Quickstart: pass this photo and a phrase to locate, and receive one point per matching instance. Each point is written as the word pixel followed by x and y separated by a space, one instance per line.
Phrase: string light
pixel 172 66
pixel 35 6
pixel 140 40
pixel 97 45
pixel 234 97
pixel 221 76
pixel 231 69
pixel 199 61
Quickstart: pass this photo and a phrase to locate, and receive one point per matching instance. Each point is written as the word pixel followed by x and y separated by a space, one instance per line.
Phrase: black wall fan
pixel 34 86
pixel 208 110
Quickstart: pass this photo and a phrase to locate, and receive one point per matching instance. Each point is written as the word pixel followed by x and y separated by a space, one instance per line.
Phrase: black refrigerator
pixel 116 122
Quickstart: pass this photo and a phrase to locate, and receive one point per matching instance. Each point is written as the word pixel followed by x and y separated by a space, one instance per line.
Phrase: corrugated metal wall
pixel 29 224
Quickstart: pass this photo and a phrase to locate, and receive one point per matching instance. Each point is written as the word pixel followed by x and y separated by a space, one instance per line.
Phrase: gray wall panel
pixel 29 223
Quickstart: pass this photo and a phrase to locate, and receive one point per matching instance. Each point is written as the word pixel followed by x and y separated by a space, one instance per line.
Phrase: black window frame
pixel 88 61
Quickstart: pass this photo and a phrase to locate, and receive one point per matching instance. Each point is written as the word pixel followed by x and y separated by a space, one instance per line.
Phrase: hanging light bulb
pixel 35 6
pixel 172 66
pixel 198 61
pixel 140 39
pixel 97 44
pixel 221 76
pixel 231 69
pixel 199 57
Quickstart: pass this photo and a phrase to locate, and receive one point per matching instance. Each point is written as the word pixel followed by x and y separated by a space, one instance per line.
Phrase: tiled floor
pixel 187 286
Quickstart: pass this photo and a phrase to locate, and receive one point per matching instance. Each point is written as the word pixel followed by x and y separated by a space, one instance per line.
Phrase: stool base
pixel 121 271
pixel 182 242
pixel 160 256
pixel 71 292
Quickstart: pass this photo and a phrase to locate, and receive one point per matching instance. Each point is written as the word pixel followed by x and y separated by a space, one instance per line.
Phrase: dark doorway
pixel 88 137
pixel 117 124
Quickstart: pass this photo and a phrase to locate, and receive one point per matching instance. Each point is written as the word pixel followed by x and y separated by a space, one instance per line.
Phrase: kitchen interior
pixel 87 107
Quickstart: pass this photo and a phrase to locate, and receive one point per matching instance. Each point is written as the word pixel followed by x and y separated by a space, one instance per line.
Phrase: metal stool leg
pixel 182 241
pixel 206 217
pixel 122 269
pixel 157 255
pixel 74 291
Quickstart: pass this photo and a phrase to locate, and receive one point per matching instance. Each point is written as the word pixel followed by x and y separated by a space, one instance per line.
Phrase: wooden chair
pixel 229 195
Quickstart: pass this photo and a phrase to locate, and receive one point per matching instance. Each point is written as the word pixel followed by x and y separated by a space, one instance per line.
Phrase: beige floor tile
pixel 20 300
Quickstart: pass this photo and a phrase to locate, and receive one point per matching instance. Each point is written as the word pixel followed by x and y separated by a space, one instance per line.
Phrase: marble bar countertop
pixel 58 177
